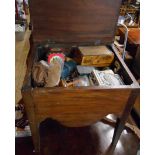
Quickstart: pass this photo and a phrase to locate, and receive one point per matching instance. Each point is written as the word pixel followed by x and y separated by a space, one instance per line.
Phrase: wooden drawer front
pixel 78 107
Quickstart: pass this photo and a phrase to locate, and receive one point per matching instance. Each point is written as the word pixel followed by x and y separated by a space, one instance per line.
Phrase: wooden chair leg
pixel 122 120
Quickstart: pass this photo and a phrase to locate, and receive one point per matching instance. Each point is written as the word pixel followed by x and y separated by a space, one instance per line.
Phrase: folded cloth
pixel 54 74
pixel 39 74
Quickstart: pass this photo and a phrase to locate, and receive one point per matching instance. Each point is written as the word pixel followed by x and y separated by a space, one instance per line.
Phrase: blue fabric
pixel 68 68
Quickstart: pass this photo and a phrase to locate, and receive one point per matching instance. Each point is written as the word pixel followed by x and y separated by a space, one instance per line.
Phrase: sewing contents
pixel 56 63
pixel 81 81
pixel 53 50
pixel 106 78
pixel 61 70
pixel 98 56
pixel 68 68
pixel 76 82
pixel 66 83
pixel 59 57
pixel 44 63
pixel 84 70
pixel 39 74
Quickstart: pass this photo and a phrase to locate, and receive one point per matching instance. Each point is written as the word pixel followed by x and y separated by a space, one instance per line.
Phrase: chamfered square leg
pixel 122 120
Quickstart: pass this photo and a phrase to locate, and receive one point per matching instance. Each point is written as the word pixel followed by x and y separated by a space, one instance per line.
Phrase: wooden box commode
pixel 76 24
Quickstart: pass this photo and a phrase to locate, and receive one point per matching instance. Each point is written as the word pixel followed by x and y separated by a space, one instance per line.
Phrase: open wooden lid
pixel 76 22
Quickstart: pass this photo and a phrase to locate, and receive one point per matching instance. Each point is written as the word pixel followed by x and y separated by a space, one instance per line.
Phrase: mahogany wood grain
pixel 74 22
pixel 78 107
pixel 133 35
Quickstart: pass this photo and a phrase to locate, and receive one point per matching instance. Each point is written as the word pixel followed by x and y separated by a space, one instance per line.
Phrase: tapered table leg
pixel 36 137
pixel 122 120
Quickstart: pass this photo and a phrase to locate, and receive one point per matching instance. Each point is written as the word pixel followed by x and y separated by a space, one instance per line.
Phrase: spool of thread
pixel 56 57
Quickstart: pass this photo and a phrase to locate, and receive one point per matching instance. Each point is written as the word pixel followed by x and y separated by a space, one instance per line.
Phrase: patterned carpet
pixel 21 121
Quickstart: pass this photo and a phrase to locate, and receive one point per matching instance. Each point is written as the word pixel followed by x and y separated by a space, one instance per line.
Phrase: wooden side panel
pixel 126 73
pixel 78 22
pixel 78 107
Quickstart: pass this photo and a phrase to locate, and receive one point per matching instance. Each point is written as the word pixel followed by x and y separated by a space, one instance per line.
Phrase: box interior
pixel 40 54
